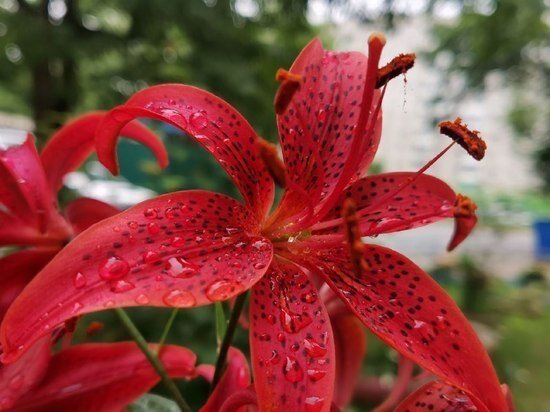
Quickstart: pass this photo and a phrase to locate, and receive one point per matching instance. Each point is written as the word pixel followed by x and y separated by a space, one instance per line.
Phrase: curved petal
pixel 408 310
pixel 292 347
pixel 71 145
pixel 463 227
pixel 317 130
pixel 84 212
pixel 437 396
pixel 182 249
pixel 212 122
pixel 424 201
pixel 25 193
pixel 17 270
pixel 18 378
pixel 235 378
pixel 103 377
pixel 350 342
pixel 238 400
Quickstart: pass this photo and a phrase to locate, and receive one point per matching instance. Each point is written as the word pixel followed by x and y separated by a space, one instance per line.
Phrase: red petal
pixel 20 377
pixel 463 227
pixel 316 131
pixel 350 342
pixel 437 396
pixel 17 270
pixel 426 200
pixel 103 377
pixel 239 399
pixel 217 126
pixel 25 192
pixel 84 212
pixel 292 347
pixel 235 378
pixel 407 309
pixel 71 145
pixel 181 249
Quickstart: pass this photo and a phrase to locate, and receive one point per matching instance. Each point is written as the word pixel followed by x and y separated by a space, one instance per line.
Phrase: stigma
pixel 290 84
pixel 468 139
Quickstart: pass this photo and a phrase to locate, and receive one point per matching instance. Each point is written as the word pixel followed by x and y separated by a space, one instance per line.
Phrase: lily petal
pixel 17 270
pixel 212 122
pixel 182 249
pixel 103 377
pixel 235 378
pixel 408 310
pixel 437 396
pixel 18 378
pixel 463 227
pixel 238 400
pixel 292 347
pixel 84 212
pixel 317 129
pixel 71 145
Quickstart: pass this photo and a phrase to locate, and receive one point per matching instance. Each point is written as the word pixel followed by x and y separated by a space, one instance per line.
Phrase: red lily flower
pixel 30 215
pixel 89 377
pixel 194 247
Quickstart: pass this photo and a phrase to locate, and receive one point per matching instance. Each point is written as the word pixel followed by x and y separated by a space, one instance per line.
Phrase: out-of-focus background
pixel 487 61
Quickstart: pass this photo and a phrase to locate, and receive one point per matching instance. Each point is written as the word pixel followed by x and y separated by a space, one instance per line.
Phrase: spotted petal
pixel 407 309
pixel 182 249
pixel 102 377
pixel 212 122
pixel 291 342
pixel 71 145
pixel 437 396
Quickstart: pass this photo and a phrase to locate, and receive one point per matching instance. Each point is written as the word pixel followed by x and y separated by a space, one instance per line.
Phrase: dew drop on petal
pixel 174 116
pixel 141 299
pixel 222 290
pixel 179 298
pixel 77 306
pixel 292 370
pixel 275 357
pixel 178 267
pixel 316 374
pixel 153 228
pixel 79 280
pixel 177 241
pixel 151 257
pixel 314 403
pixel 150 213
pixel 232 230
pixel 133 224
pixel 259 265
pixel 113 268
pixel 120 286
pixel 294 322
pixel 198 120
pixel 313 349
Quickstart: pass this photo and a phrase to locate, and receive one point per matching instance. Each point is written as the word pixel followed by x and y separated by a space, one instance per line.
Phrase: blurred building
pixel 410 136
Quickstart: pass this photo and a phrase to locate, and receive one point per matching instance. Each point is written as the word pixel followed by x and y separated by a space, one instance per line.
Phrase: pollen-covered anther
pixel 272 161
pixel 290 84
pixel 398 65
pixel 468 139
pixel 353 236
pixel 464 206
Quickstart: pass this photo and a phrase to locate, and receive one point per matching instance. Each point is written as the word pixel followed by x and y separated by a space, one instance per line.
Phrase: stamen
pixel 399 65
pixel 464 206
pixel 275 166
pixel 353 236
pixel 290 84
pixel 468 139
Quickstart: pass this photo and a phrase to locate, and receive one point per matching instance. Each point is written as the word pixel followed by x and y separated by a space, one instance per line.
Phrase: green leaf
pixel 153 403
pixel 221 322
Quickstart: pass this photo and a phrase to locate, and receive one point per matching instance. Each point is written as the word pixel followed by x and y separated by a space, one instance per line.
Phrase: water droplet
pixel 79 280
pixel 419 324
pixel 133 224
pixel 150 213
pixel 321 115
pixel 76 307
pixel 261 245
pixel 153 228
pixel 170 213
pixel 174 116
pixel 259 265
pixel 198 120
pixel 281 337
pixel 113 268
pixel 120 286
pixel 309 297
pixel 142 299
pixel 294 322
pixel 271 319
pixel 151 257
pixel 316 374
pixel 313 349
pixel 275 357
pixel 109 304
pixel 223 289
pixel 314 403
pixel 179 298
pixel 178 267
pixel 177 241
pixel 232 230
pixel 292 370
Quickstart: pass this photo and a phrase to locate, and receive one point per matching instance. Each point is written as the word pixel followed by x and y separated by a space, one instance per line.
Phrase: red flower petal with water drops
pixel 235 378
pixel 426 200
pixel 26 195
pixel 292 347
pixel 182 249
pixel 84 212
pixel 317 129
pixel 103 377
pixel 437 396
pixel 18 378
pixel 18 269
pixel 350 342
pixel 408 310
pixel 71 145
pixel 212 122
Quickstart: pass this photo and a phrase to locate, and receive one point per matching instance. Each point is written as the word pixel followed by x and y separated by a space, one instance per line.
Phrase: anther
pixel 468 139
pixel 290 84
pixel 272 161
pixel 464 206
pixel 398 65
pixel 353 236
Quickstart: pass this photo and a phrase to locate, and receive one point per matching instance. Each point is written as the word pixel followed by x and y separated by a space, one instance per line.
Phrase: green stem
pixel 153 359
pixel 166 330
pixel 228 338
